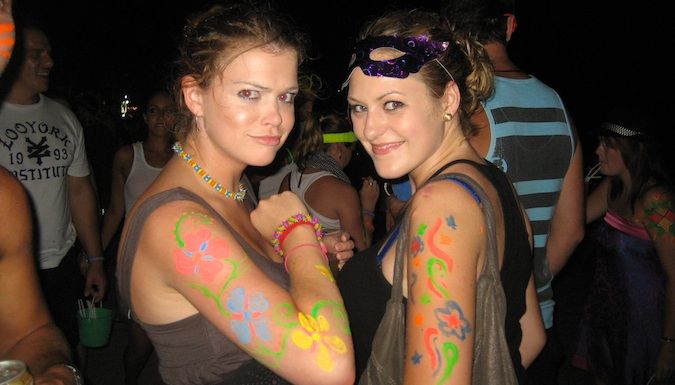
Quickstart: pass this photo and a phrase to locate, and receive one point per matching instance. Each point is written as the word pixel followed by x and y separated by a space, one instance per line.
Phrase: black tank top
pixel 365 290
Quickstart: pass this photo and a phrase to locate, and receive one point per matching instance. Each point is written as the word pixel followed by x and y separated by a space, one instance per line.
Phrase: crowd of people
pixel 236 243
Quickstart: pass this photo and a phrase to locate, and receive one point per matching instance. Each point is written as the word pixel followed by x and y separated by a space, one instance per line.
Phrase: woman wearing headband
pixel 229 297
pixel 323 150
pixel 412 86
pixel 628 333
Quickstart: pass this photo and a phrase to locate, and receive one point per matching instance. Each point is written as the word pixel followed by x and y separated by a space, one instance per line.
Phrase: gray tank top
pixel 191 350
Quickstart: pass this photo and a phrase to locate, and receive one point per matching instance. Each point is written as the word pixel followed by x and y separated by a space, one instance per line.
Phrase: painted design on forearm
pixel 430 337
pixel 250 314
pixel 315 336
pixel 247 312
pixel 451 356
pixel 451 320
pixel 659 218
pixel 435 250
pixel 325 271
pixel 451 222
pixel 447 356
pixel 413 282
pixel 416 246
pixel 435 282
pixel 418 319
pixel 416 358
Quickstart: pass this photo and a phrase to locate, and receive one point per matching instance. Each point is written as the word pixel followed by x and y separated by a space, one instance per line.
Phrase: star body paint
pixel 428 252
pixel 208 260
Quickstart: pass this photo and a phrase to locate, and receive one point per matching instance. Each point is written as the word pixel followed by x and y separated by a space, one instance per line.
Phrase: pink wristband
pixel 290 252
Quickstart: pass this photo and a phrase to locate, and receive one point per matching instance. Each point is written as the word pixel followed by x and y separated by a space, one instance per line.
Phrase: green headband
pixel 340 137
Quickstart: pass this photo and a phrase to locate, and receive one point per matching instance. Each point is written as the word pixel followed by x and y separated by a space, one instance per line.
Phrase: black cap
pixel 629 122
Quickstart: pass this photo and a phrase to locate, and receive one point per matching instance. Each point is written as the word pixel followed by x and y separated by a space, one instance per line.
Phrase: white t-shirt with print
pixel 41 144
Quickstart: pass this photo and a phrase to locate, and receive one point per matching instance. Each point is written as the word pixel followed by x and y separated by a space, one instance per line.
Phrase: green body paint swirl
pixel 201 218
pixel 451 354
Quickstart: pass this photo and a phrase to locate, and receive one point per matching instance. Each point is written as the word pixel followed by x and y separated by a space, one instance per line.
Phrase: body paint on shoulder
pixel 435 250
pixel 660 218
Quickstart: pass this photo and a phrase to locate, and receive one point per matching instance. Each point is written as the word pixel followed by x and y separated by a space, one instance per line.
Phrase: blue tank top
pixel 532 142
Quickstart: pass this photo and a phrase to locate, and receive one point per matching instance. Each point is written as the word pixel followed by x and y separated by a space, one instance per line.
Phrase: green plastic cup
pixel 95 328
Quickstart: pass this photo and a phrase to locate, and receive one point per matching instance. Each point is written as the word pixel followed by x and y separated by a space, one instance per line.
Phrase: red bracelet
pixel 320 246
pixel 291 223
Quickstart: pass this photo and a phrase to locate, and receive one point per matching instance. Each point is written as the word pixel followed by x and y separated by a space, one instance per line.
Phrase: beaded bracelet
pixel 290 252
pixel 92 258
pixel 291 223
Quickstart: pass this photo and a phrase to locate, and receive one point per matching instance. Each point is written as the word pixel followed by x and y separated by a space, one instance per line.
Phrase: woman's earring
pixel 447 117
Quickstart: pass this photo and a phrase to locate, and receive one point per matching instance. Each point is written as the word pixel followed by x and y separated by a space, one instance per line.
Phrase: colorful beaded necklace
pixel 237 196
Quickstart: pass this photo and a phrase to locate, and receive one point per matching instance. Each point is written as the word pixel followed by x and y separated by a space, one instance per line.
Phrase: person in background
pixel 413 84
pixel 43 146
pixel 322 151
pixel 229 296
pixel 27 332
pixel 525 130
pixel 135 167
pixel 628 332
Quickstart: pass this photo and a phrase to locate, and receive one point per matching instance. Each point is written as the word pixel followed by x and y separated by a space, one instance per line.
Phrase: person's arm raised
pixel 302 334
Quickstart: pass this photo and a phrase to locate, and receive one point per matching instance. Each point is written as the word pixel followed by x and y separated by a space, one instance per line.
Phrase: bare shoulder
pixel 657 195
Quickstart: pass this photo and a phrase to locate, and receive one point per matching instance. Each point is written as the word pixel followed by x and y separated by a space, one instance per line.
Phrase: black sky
pixel 592 52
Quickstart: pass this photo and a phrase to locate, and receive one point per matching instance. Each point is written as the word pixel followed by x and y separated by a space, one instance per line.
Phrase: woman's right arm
pixel 302 334
pixel 115 211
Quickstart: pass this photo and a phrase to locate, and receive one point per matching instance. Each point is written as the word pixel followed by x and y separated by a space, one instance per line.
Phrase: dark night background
pixel 591 52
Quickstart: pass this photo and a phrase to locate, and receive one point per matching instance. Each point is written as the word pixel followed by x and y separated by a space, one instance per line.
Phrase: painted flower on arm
pixel 314 336
pixel 248 313
pixel 451 320
pixel 200 255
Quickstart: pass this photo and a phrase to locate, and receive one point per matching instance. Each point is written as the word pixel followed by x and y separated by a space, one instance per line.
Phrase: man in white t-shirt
pixel 42 144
